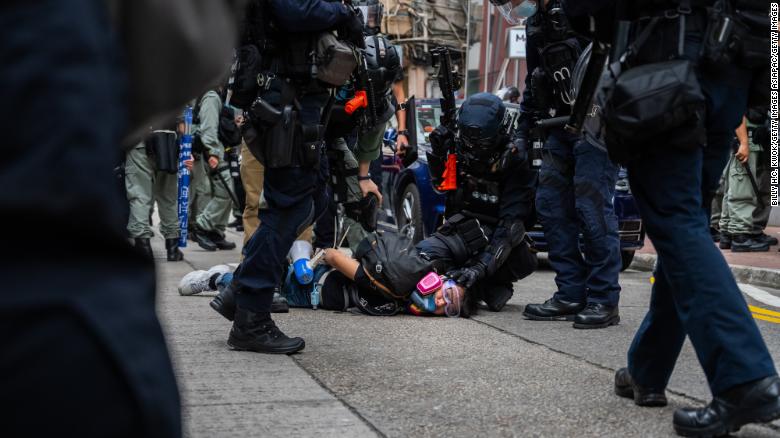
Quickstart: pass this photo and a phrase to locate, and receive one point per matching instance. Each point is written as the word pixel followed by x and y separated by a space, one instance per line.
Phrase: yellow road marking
pixel 763 311
pixel 766 318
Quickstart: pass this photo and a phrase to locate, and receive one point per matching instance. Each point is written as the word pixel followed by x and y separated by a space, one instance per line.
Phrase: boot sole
pixel 533 317
pixel 278 350
pixel 280 309
pixel 207 248
pixel 217 308
pixel 647 401
pixel 610 322
pixel 765 415
pixel 734 249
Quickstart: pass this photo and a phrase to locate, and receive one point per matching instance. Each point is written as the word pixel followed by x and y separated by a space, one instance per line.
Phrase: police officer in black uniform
pixel 495 185
pixel 695 294
pixel 576 182
pixel 285 131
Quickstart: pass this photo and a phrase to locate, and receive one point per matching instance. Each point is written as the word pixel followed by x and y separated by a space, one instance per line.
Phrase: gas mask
pixel 515 11
pixel 424 298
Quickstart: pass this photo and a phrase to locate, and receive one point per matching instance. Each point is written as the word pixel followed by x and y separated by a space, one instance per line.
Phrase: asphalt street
pixel 496 374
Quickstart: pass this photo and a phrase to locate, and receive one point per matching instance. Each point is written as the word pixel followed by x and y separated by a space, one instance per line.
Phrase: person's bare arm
pixel 400 116
pixel 342 262
pixel 744 143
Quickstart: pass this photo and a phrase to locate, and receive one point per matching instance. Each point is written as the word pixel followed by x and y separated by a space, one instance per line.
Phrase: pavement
pixel 494 375
pixel 755 268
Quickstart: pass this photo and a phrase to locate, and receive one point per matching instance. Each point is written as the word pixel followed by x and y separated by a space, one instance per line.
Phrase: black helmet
pixel 482 127
pixel 512 94
pixel 372 10
pixel 382 61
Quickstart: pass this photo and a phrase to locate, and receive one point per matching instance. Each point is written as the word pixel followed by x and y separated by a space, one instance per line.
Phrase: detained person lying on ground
pixel 385 275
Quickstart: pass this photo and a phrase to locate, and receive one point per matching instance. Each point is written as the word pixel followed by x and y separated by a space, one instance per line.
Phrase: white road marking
pixel 760 295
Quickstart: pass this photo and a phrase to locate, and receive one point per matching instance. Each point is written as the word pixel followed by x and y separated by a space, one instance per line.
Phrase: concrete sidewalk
pixel 494 375
pixel 757 268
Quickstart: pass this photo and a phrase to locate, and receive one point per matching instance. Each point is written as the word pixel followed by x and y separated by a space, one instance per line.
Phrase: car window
pixel 427 120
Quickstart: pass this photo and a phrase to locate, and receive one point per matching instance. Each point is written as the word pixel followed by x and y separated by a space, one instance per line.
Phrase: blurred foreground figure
pixel 83 354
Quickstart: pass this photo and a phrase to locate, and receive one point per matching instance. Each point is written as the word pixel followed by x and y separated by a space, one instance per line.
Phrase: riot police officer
pixel 285 132
pixel 694 294
pixel 150 176
pixel 576 184
pixel 493 184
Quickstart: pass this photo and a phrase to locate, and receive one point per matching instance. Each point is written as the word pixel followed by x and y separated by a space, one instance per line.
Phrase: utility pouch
pixel 311 145
pixel 558 61
pixel 335 59
pixel 740 36
pixel 652 105
pixel 165 150
pixel 279 141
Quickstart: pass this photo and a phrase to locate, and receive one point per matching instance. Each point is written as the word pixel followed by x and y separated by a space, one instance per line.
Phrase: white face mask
pixel 514 11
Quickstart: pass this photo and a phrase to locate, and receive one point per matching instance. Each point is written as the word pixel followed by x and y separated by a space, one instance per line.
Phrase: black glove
pixel 515 151
pixel 441 138
pixel 410 155
pixel 364 212
pixel 468 276
pixel 352 29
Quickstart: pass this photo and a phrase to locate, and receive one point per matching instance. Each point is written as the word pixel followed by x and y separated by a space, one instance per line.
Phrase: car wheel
pixel 626 258
pixel 409 213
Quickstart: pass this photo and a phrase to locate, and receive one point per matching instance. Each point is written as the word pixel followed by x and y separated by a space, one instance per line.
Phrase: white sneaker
pixel 219 269
pixel 196 282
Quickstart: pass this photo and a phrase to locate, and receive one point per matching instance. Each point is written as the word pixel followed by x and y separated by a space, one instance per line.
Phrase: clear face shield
pixel 515 11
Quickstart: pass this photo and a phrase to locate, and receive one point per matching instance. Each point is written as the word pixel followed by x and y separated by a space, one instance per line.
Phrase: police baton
pixel 218 173
pixel 753 183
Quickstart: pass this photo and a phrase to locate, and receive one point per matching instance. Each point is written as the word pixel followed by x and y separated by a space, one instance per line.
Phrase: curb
pixel 743 274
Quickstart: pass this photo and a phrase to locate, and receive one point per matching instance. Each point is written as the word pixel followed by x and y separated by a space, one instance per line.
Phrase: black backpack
pixel 392 263
pixel 228 132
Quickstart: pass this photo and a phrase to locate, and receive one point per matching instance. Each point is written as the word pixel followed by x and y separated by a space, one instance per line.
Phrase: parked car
pixel 412 205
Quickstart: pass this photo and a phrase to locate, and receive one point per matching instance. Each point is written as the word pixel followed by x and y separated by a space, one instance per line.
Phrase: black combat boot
pixel 725 240
pixel 553 310
pixel 754 402
pixel 201 237
pixel 219 240
pixel 715 234
pixel 746 243
pixel 763 237
pixel 257 332
pixel 496 296
pixel 225 302
pixel 172 246
pixel 597 315
pixel 626 387
pixel 143 244
pixel 279 304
